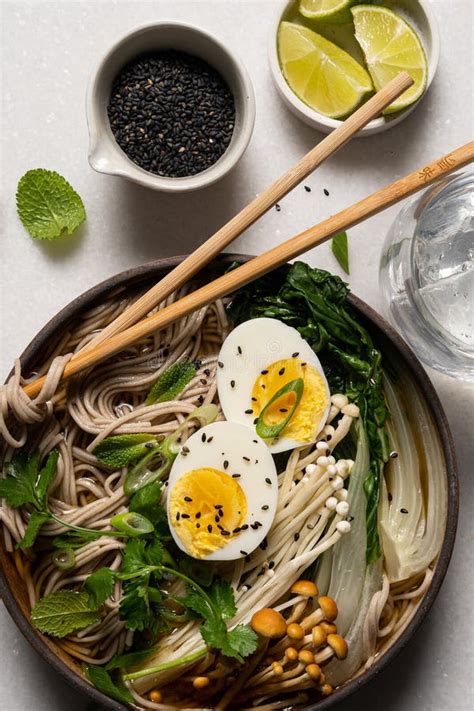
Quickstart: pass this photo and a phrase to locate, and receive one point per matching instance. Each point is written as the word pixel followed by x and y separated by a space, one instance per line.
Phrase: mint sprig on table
pixel 48 205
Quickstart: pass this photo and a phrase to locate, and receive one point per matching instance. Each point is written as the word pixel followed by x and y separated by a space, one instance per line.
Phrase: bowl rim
pixel 324 123
pixel 154 270
pixel 106 156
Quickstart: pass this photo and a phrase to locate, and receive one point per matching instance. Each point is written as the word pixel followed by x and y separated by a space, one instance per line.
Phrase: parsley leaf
pixel 19 486
pixel 171 382
pixel 104 683
pixel 47 204
pixel 119 450
pixel 63 612
pixel 240 642
pixel 222 596
pixel 340 249
pixel 99 585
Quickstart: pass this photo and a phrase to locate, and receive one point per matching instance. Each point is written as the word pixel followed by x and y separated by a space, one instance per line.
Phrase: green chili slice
pixel 64 559
pixel 269 431
pixel 133 524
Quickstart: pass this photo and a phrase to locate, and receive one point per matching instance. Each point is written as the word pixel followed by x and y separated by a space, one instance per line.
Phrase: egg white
pixel 232 441
pixel 250 347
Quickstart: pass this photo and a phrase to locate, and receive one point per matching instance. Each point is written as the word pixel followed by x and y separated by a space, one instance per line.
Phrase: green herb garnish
pixel 63 612
pixel 171 383
pixel 340 249
pixel 269 431
pixel 120 450
pixel 47 204
pixel 103 681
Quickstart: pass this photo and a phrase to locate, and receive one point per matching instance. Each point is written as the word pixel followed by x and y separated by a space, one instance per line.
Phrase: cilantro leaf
pixel 134 559
pixel 240 642
pixel 46 476
pixel 119 450
pixel 171 382
pixel 104 683
pixel 340 249
pixel 37 519
pixel 222 596
pixel 19 486
pixel 63 612
pixel 47 204
pixel 99 585
pixel 135 608
pixel 147 502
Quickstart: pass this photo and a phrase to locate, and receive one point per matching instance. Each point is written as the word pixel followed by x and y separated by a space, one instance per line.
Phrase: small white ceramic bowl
pixel 416 11
pixel 106 156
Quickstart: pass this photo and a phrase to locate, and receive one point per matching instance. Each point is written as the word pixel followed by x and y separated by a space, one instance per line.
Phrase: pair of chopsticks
pixel 128 327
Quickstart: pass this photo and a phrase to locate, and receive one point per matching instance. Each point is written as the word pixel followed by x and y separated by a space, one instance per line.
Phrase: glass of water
pixel 427 275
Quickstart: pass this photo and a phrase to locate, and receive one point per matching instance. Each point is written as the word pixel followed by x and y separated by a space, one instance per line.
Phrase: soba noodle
pixel 109 401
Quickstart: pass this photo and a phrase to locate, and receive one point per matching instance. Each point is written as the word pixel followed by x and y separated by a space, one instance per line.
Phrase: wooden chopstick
pixel 254 210
pixel 256 267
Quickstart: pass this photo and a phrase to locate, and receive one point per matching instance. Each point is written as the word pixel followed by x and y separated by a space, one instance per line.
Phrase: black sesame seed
pixel 209 439
pixel 254 399
pixel 249 412
pixel 149 445
pixel 254 526
pixel 263 372
pixel 220 364
pixel 221 513
pixel 255 441
pixel 265 507
pixel 326 192
pixel 268 481
pixel 236 476
pixel 393 455
pixel 255 421
pixel 171 113
pixel 232 383
pixel 296 536
pixel 303 365
pixel 188 499
pixel 277 207
pixel 209 528
pixel 239 350
pixel 404 511
pixel 203 437
pixel 216 519
pixel 184 450
pixel 207 372
pixel 244 527
pixel 198 525
pixel 271 564
pixel 263 386
pixel 236 530
pixel 185 515
pixel 218 506
pixel 201 399
pixel 243 553
pixel 264 544
pixel 225 533
pixel 203 381
pixel 225 464
pixel 295 355
pixel 281 371
pixel 247 459
pixel 178 516
pixel 307 188
pixel 283 409
pixel 198 515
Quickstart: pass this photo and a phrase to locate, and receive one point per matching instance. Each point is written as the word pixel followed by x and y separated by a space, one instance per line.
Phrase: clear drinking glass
pixel 427 275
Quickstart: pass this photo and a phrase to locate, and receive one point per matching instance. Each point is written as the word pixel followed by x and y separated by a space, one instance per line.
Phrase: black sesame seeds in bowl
pixel 169 107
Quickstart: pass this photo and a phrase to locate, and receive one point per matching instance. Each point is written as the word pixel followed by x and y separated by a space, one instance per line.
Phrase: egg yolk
pixel 306 419
pixel 207 510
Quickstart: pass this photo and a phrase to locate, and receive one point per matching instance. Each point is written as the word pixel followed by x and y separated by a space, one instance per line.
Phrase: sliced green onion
pixel 64 559
pixel 270 431
pixel 133 524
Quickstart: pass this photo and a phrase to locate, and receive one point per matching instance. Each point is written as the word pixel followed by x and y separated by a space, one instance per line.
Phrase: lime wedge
pixel 390 45
pixel 336 11
pixel 321 74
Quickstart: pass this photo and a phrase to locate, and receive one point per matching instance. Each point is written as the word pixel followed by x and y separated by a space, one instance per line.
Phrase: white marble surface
pixel 48 52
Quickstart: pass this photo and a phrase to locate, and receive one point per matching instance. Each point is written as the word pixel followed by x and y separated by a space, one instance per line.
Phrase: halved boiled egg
pixel 222 492
pixel 269 378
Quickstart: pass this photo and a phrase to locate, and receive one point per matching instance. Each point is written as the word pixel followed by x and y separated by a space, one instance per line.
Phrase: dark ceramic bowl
pixel 396 352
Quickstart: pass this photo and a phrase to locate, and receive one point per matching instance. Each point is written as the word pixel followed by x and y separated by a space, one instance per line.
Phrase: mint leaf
pixel 120 450
pixel 222 596
pixel 99 585
pixel 240 642
pixel 19 486
pixel 171 383
pixel 47 204
pixel 38 518
pixel 104 683
pixel 340 249
pixel 63 612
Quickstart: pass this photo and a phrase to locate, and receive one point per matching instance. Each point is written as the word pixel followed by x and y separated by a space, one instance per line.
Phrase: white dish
pixel 418 12
pixel 106 156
